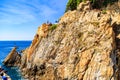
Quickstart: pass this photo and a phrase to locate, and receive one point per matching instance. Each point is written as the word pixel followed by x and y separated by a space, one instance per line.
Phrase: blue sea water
pixel 5 48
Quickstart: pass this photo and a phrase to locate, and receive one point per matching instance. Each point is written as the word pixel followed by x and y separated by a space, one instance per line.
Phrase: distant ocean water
pixel 5 48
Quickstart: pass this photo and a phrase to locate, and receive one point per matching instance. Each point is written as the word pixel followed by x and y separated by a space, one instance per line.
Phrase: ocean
pixel 5 48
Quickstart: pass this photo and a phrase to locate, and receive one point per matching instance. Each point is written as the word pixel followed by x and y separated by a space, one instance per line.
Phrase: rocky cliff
pixel 84 45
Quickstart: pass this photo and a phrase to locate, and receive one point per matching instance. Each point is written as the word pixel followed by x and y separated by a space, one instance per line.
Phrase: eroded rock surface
pixel 13 58
pixel 82 47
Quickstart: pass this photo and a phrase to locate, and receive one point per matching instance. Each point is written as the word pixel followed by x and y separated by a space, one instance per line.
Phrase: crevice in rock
pixel 89 61
pixel 116 29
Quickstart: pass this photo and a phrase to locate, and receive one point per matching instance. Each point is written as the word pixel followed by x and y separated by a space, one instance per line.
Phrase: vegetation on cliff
pixel 72 4
pixel 80 47
pixel 54 26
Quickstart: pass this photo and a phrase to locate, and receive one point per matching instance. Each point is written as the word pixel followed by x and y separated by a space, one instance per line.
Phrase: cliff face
pixel 41 33
pixel 83 46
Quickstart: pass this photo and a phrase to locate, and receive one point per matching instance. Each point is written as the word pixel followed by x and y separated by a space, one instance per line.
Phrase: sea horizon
pixel 15 40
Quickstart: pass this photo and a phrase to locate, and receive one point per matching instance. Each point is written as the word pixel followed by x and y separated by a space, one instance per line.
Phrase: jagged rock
pixel 84 6
pixel 13 58
pixel 82 47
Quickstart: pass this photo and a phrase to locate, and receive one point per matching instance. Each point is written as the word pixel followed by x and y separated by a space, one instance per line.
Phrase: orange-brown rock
pixel 84 46
pixel 13 58
pixel 42 32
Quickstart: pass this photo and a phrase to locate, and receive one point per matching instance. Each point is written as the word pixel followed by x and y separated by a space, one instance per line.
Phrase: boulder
pixel 13 58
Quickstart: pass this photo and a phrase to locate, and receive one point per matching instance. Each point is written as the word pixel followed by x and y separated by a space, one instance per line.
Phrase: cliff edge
pixel 83 45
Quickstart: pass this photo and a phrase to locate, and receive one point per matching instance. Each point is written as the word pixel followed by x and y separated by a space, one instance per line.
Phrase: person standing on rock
pixel 3 77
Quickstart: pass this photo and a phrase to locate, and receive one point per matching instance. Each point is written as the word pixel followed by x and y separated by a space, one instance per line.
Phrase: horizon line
pixel 15 40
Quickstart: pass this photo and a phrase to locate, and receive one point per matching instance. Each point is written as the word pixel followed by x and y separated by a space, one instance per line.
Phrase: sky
pixel 20 19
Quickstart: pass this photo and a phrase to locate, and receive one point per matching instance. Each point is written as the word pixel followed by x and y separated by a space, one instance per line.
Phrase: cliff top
pixel 95 4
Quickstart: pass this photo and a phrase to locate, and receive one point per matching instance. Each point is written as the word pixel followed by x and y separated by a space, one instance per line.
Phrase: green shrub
pixel 96 4
pixel 54 26
pixel 71 5
pixel 78 2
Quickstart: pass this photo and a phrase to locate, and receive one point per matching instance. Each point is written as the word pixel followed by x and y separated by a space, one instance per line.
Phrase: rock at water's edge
pixel 81 47
pixel 13 58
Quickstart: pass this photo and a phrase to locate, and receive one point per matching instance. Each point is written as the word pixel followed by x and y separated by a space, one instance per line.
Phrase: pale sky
pixel 19 19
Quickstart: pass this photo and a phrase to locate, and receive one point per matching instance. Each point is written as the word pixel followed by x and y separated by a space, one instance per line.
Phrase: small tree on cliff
pixel 72 4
